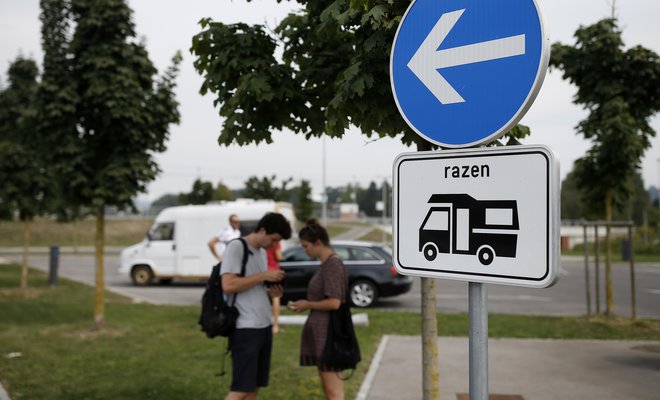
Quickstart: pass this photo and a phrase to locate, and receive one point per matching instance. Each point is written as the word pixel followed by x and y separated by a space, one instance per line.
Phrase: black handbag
pixel 341 350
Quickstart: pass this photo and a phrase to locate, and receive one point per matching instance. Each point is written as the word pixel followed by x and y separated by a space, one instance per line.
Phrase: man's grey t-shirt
pixel 253 304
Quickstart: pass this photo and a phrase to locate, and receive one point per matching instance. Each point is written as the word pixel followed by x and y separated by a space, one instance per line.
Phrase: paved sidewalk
pixel 534 369
pixel 3 393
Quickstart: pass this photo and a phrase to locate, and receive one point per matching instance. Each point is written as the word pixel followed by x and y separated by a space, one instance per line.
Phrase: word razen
pixel 467 171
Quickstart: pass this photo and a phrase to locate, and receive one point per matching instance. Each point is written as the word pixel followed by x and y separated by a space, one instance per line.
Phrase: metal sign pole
pixel 478 298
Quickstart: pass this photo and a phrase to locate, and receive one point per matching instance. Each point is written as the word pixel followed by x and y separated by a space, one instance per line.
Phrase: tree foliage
pixel 574 205
pixel 222 193
pixel 22 166
pixel 164 201
pixel 123 114
pixel 201 193
pixel 304 205
pixel 266 188
pixel 56 102
pixel 621 90
pixel 333 73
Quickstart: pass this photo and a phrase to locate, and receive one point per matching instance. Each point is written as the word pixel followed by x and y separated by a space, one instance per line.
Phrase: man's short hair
pixel 275 223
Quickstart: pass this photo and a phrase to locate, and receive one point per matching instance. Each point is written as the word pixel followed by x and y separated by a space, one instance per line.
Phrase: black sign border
pixel 461 273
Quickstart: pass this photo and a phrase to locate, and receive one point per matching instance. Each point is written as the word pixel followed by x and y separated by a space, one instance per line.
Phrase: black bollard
pixel 625 250
pixel 53 264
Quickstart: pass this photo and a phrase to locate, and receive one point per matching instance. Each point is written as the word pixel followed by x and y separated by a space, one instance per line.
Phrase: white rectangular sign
pixel 480 215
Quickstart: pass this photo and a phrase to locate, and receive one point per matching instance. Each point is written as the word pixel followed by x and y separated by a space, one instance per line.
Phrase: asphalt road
pixel 567 297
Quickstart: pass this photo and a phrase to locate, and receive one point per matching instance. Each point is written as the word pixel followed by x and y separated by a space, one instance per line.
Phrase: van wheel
pixel 363 293
pixel 430 252
pixel 486 255
pixel 142 275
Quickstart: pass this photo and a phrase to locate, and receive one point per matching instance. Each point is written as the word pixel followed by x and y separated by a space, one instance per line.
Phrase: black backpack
pixel 217 317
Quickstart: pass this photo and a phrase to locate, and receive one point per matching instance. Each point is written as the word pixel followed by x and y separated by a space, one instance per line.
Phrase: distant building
pixel 349 211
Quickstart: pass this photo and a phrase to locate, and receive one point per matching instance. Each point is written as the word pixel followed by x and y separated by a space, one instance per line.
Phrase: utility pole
pixel 324 192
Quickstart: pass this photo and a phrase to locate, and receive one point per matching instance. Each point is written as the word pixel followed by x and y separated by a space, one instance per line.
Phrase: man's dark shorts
pixel 250 354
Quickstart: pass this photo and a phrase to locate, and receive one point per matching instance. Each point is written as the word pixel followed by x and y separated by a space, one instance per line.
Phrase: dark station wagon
pixel 371 273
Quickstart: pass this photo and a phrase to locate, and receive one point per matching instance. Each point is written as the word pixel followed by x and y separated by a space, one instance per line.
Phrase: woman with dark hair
pixel 325 293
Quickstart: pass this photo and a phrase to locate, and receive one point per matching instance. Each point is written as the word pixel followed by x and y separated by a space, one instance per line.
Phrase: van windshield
pixel 162 231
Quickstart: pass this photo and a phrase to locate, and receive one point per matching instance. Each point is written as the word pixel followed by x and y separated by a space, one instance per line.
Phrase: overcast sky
pixel 168 25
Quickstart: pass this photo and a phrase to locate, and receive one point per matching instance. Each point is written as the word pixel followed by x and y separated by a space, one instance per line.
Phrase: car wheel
pixel 142 275
pixel 430 252
pixel 363 293
pixel 486 255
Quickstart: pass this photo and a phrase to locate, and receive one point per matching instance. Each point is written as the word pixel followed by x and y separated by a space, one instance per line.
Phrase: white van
pixel 176 245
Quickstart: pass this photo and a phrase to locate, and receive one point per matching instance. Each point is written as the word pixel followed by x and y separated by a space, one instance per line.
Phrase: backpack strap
pixel 246 253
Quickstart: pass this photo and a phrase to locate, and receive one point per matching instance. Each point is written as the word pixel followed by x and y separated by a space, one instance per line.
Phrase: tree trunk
pixel 609 294
pixel 26 253
pixel 430 367
pixel 99 293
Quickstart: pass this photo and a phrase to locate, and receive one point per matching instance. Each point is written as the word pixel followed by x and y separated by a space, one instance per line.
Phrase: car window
pixel 296 255
pixel 162 231
pixel 363 255
pixel 342 252
pixel 386 250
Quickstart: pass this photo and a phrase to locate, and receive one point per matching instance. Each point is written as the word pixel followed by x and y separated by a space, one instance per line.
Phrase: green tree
pixel 122 112
pixel 572 205
pixel 201 193
pixel 367 199
pixel 164 201
pixel 619 88
pixel 56 101
pixel 222 192
pixel 334 194
pixel 349 195
pixel 304 203
pixel 265 188
pixel 23 171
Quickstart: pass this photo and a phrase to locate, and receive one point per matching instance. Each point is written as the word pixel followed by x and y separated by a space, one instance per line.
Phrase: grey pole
pixel 478 299
pixel 632 275
pixel 597 271
pixel 586 270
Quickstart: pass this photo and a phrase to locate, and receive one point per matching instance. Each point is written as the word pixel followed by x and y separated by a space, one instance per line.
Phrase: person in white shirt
pixel 223 237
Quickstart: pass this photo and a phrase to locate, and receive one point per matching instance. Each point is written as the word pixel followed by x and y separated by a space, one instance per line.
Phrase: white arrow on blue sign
pixel 463 73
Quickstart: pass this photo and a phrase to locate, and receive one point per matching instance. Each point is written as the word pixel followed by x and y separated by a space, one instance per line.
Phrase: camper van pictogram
pixel 460 224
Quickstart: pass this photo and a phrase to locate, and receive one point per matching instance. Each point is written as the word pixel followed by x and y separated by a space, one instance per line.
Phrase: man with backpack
pixel 251 341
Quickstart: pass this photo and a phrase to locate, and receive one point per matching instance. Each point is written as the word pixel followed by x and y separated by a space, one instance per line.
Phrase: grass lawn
pixel 158 352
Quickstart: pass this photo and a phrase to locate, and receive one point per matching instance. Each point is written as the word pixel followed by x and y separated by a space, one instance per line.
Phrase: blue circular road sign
pixel 464 72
